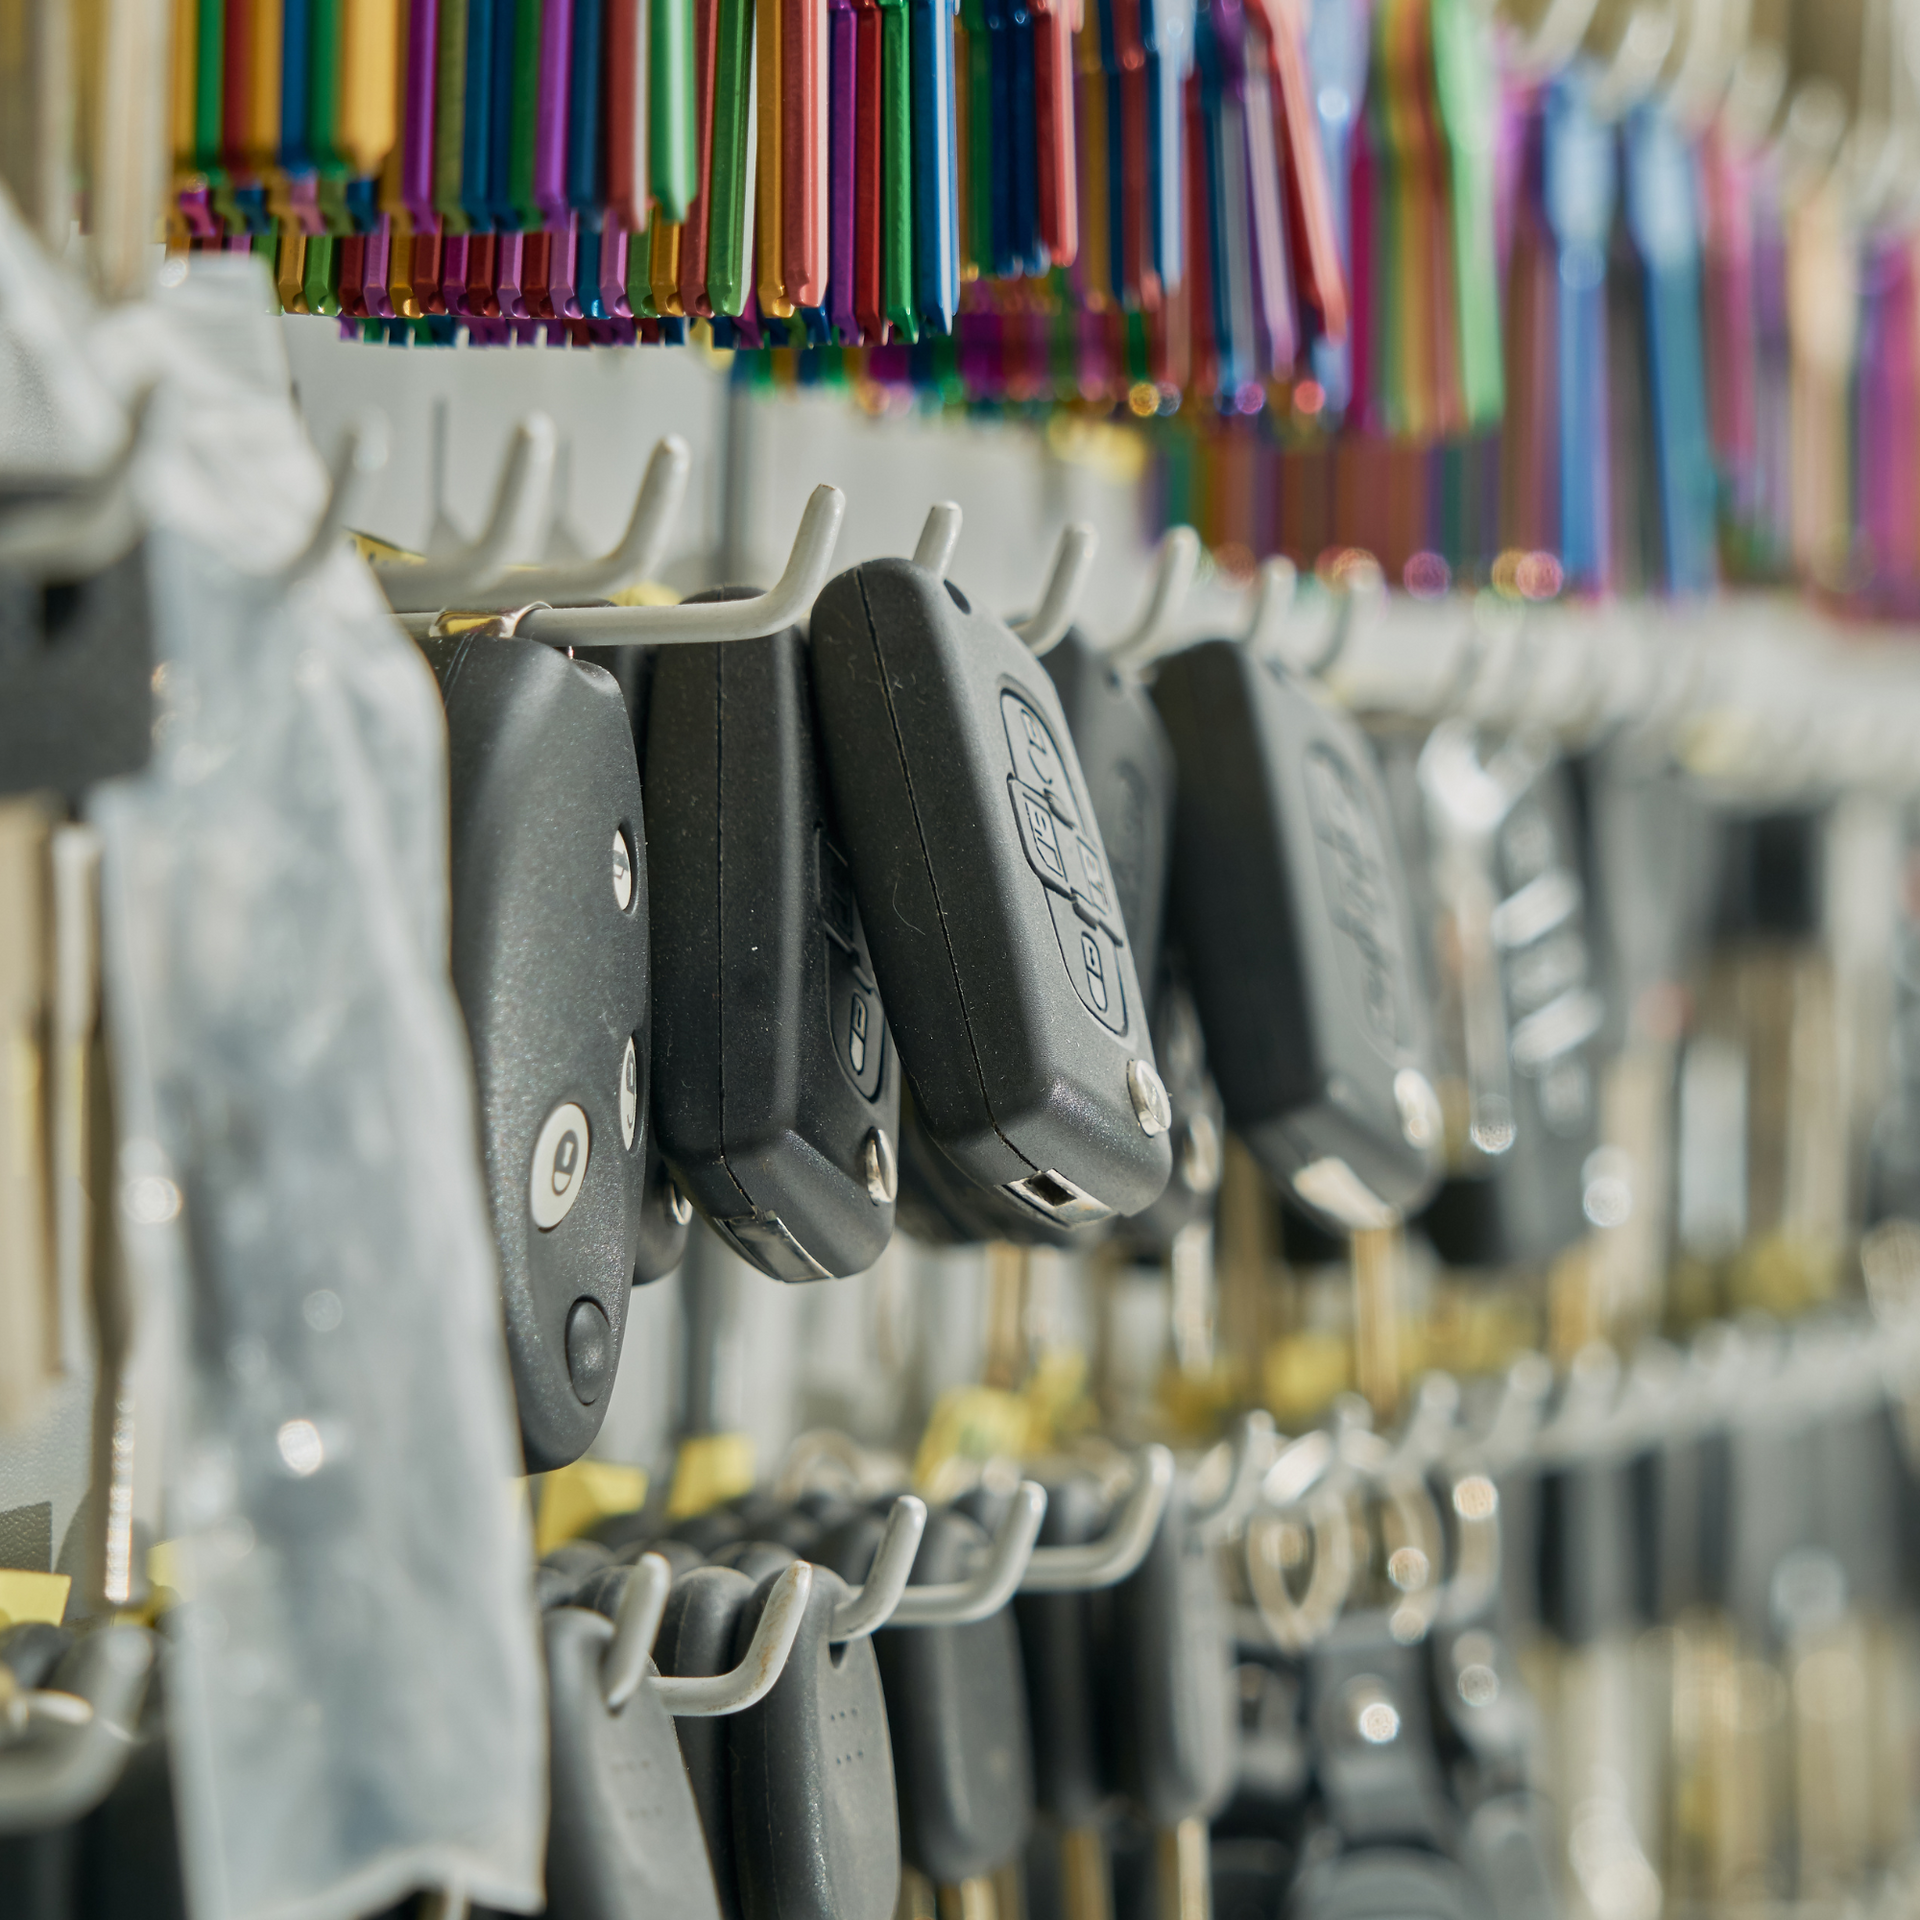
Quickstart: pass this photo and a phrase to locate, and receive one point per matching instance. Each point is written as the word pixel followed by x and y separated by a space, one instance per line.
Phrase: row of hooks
pixel 1754 692
pixel 1011 1563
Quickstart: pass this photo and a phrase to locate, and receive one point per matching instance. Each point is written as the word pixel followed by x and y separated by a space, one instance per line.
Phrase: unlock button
pixel 1040 835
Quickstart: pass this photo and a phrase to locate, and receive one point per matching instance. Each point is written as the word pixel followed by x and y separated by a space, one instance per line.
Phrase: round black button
pixel 589 1351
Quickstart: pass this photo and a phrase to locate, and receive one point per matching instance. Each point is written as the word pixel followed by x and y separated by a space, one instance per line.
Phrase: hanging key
pixel 1173 1721
pixel 994 920
pixel 550 961
pixel 1291 910
pixel 956 1711
pixel 776 1087
pixel 814 1818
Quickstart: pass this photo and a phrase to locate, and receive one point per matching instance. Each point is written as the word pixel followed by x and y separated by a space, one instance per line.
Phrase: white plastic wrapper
pixel 354 1679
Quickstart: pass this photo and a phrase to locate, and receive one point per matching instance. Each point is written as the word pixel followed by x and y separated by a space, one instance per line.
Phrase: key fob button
pixel 590 1355
pixel 1040 836
pixel 629 1095
pixel 1036 759
pixel 622 870
pixel 1093 964
pixel 559 1165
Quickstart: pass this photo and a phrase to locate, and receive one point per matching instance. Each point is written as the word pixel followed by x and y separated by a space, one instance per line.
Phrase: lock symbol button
pixel 560 1157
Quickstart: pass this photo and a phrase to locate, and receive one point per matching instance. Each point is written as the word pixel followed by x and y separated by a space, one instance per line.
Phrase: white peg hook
pixel 1066 582
pixel 938 538
pixel 1107 1561
pixel 361 454
pixel 1173 574
pixel 703 1697
pixel 957 1603
pixel 634 556
pixel 871 1605
pixel 1251 1447
pixel 1273 589
pixel 627 1663
pixel 635 1628
pixel 788 602
pixel 513 527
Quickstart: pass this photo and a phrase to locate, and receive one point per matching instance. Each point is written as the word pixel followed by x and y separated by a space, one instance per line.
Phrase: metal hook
pixel 871 1605
pixel 1108 1560
pixel 637 552
pixel 1274 587
pixel 710 620
pixel 76 1743
pixel 1252 1438
pixel 1296 1624
pixel 703 1697
pixel 636 1627
pixel 361 454
pixel 1066 582
pixel 1173 572
pixel 516 522
pixel 957 1603
pixel 938 538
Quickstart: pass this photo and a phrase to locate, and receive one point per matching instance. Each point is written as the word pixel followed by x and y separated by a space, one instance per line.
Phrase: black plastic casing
pixel 956 1710
pixel 76 678
pixel 1013 996
pixel 1290 907
pixel 666 1217
pixel 553 978
pixel 1525 1206
pixel 773 1066
pixel 1127 762
pixel 815 1825
pixel 624 1836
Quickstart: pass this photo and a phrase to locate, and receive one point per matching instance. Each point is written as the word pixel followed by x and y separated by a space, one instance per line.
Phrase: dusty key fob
pixel 1511 906
pixel 1127 762
pixel 956 1710
pixel 1173 1722
pixel 696 1637
pixel 624 1836
pixel 776 1088
pixel 76 678
pixel 994 920
pixel 814 1821
pixel 666 1213
pixel 1290 908
pixel 550 962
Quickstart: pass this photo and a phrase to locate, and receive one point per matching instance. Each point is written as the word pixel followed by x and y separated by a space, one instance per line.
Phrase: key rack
pixel 1080 1080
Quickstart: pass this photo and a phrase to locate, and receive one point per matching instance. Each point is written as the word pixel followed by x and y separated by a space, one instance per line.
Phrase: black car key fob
pixel 666 1213
pixel 1290 907
pixel 995 924
pixel 550 962
pixel 1199 1129
pixel 776 1090
pixel 956 1710
pixel 1512 905
pixel 624 1835
pixel 815 1828
pixel 1061 1661
pixel 1173 1719
pixel 76 678
pixel 1127 762
pixel 696 1637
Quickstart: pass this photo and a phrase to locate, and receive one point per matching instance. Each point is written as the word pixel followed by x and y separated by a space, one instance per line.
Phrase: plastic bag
pixel 354 1682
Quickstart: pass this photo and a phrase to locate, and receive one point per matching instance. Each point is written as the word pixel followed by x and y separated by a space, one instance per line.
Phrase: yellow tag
pixel 32 1596
pixel 371 547
pixel 1303 1373
pixel 712 1467
pixel 975 1423
pixel 646 594
pixel 573 1498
